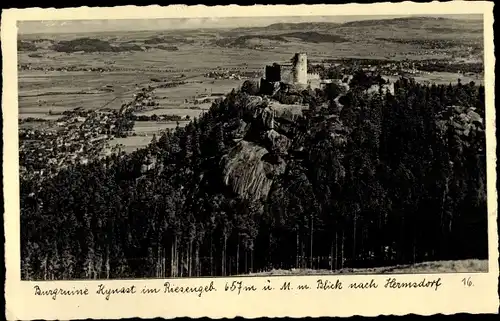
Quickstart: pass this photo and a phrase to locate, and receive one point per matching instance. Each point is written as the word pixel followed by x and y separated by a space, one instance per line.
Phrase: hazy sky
pixel 75 26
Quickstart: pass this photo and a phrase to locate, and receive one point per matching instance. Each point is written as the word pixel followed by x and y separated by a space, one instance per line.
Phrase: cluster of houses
pixel 27 66
pixel 73 139
pixel 409 67
pixel 237 74
pixel 222 75
pixel 78 136
pixel 45 68
pixel 144 100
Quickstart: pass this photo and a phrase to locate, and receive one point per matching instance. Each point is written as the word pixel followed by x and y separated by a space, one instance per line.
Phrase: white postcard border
pixel 452 296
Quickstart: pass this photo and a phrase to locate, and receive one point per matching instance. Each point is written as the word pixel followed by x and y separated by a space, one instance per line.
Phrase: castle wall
pixel 314 80
pixel 273 73
pixel 314 83
pixel 287 74
pixel 313 76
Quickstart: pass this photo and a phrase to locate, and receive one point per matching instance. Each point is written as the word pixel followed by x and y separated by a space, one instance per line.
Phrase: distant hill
pixel 433 23
pixel 411 27
pixel 410 22
pixel 315 37
pixel 245 41
pixel 378 22
pixel 308 36
pixel 302 26
pixel 167 40
pixel 280 27
pixel 92 45
pixel 26 46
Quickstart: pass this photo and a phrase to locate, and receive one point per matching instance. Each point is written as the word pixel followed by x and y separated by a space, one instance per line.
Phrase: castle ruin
pixel 273 73
pixel 299 69
pixel 292 73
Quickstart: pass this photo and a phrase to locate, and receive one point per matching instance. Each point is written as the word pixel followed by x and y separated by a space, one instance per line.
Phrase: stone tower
pixel 300 69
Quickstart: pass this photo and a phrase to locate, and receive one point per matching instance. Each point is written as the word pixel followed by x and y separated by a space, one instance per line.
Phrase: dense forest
pixel 372 179
pixel 425 65
pixel 92 45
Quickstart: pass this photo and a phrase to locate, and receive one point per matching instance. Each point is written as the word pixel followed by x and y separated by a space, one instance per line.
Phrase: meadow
pixel 460 266
pixel 144 131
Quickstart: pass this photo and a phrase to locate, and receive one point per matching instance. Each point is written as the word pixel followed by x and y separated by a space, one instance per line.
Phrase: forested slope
pixel 386 179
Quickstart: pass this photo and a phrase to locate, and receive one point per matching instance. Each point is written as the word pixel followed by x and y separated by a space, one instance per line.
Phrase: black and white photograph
pixel 252 146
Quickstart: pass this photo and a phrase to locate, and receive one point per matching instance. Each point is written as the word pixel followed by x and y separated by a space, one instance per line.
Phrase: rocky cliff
pixel 262 143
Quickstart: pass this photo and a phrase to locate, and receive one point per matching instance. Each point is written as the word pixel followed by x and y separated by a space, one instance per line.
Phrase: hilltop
pixel 252 40
pixel 427 24
pixel 302 26
pixel 401 21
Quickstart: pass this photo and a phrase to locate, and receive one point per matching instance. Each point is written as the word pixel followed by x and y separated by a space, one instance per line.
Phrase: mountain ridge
pixel 356 23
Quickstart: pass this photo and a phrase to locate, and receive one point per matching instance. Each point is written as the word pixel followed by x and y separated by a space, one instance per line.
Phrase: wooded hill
pixel 425 28
pixel 386 179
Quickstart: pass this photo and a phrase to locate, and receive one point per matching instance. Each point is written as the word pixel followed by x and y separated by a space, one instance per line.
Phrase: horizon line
pixel 473 17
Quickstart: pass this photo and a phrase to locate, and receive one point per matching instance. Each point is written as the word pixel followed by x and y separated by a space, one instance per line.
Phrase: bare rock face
pixel 276 142
pixel 247 172
pixel 253 101
pixel 285 128
pixel 274 165
pixel 276 87
pixel 241 130
pixel 264 118
pixel 287 112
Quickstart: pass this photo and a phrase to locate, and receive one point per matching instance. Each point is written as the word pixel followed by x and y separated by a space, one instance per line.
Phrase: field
pixel 143 131
pixel 420 268
pixel 57 81
pixel 131 143
pixel 40 92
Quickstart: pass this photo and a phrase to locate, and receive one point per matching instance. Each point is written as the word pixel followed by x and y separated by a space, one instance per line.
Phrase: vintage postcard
pixel 261 161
